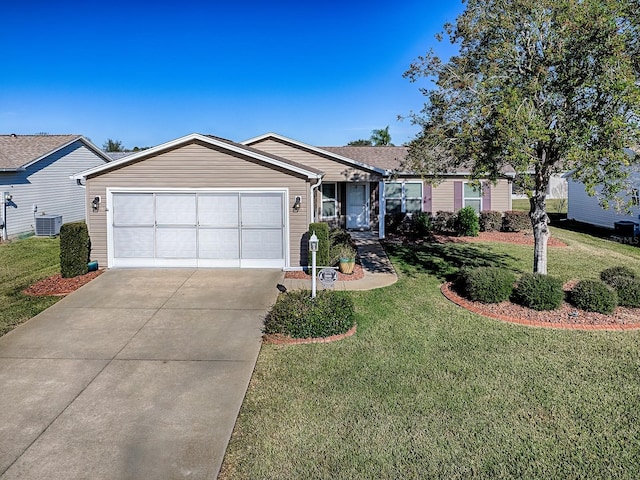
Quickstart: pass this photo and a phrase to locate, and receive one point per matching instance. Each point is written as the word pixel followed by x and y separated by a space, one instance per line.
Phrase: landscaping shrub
pixel 321 230
pixel 516 221
pixel 467 223
pixel 490 221
pixel 298 315
pixel 628 290
pixel 486 284
pixel 421 222
pixel 611 275
pixel 538 292
pixel 594 296
pixel 444 222
pixel 74 249
pixel 394 222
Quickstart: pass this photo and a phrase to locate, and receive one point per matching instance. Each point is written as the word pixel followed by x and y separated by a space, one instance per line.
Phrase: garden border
pixel 279 339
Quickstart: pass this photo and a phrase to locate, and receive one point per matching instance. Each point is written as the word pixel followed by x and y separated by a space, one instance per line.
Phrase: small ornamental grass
pixel 486 284
pixel 538 292
pixel 594 296
pixel 297 315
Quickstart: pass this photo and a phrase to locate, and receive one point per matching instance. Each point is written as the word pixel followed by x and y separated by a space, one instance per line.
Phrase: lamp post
pixel 313 246
pixel 6 198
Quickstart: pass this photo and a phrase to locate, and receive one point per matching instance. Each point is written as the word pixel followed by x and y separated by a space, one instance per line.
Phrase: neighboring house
pixel 557 188
pixel 203 201
pixel 35 171
pixel 586 209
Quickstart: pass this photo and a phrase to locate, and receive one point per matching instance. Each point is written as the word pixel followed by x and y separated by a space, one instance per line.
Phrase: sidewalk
pixel 378 271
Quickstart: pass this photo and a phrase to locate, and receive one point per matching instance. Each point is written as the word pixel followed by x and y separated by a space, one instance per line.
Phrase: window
pixel 403 197
pixel 329 203
pixel 472 197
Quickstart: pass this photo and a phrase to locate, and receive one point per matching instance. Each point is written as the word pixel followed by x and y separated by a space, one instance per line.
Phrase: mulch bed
pixel 567 316
pixel 58 287
pixel 357 274
pixel 518 238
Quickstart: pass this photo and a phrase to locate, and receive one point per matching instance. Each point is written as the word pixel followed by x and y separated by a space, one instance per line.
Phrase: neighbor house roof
pixel 386 158
pixel 213 141
pixel 17 152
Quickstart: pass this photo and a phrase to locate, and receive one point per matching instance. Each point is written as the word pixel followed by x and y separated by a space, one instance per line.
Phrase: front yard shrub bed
pixel 486 284
pixel 611 275
pixel 594 296
pixel 628 290
pixel 467 223
pixel 490 221
pixel 516 221
pixel 538 292
pixel 298 315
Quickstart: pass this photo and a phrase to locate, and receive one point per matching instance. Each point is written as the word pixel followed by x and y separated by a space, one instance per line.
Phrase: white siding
pixel 584 208
pixel 47 185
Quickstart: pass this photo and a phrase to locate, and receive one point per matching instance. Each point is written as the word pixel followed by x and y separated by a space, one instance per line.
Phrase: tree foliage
pixel 538 87
pixel 361 142
pixel 381 137
pixel 113 146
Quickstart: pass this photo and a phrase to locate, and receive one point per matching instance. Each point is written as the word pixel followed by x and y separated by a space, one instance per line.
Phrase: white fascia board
pixel 190 138
pixel 317 150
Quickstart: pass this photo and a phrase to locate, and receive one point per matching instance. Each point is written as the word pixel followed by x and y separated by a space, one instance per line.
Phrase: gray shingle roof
pixel 386 158
pixel 17 151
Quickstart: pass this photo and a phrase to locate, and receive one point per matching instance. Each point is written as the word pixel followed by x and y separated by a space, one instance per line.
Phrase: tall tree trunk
pixel 540 223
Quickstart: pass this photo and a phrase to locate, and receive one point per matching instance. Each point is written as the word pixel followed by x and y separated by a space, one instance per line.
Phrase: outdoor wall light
pixel 95 204
pixel 296 203
pixel 313 243
pixel 8 197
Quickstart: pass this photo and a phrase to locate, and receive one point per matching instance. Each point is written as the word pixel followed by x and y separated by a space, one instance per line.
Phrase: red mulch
pixel 357 274
pixel 58 286
pixel 519 238
pixel 567 316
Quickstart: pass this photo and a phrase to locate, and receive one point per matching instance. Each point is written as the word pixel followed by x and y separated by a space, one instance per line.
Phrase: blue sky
pixel 323 72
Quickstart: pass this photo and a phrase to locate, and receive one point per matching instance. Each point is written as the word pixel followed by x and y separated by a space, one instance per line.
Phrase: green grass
pixel 554 205
pixel 426 389
pixel 22 263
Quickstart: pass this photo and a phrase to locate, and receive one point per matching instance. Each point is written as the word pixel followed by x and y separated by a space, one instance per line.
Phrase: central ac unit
pixel 48 225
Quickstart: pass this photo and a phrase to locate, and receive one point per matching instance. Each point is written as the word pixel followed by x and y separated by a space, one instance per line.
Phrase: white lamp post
pixel 313 246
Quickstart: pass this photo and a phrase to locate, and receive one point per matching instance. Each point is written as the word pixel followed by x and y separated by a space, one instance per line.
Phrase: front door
pixel 357 205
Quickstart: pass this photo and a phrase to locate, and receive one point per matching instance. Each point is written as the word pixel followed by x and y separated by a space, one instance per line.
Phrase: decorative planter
pixel 347 265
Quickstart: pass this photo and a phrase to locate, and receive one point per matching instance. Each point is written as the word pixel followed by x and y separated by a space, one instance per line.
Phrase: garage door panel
pixel 219 244
pixel 218 210
pixel 133 242
pixel 262 244
pixel 133 209
pixel 264 210
pixel 176 242
pixel 175 209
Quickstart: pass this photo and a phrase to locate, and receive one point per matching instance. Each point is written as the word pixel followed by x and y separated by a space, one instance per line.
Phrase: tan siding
pixel 334 170
pixel 197 166
pixel 442 196
pixel 501 196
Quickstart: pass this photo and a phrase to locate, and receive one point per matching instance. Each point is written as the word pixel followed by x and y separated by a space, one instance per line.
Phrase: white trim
pixel 464 197
pixel 403 195
pixel 164 262
pixel 201 138
pixel 316 150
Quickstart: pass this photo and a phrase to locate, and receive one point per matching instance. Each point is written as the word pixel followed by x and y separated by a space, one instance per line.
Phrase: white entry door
pixel 357 205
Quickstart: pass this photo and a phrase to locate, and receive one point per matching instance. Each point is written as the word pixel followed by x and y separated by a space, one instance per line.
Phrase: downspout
pixel 312 216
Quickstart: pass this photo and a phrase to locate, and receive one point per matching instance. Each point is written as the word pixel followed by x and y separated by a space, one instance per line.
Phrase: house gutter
pixel 315 186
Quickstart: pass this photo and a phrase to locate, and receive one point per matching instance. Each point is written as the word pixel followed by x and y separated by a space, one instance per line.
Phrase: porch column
pixel 382 209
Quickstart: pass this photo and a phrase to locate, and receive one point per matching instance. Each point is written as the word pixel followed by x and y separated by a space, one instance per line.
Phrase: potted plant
pixel 347 258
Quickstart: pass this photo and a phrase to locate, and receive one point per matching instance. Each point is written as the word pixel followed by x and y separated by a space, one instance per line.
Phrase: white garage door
pixel 202 229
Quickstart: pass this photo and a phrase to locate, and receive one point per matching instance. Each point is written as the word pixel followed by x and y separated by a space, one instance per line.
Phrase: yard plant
pixel 594 296
pixel 539 292
pixel 427 389
pixel 486 284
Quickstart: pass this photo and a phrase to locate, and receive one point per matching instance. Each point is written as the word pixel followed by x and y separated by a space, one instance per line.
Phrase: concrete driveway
pixel 139 374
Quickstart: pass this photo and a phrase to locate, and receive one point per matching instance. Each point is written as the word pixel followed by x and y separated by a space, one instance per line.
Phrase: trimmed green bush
pixel 298 315
pixel 538 292
pixel 486 284
pixel 394 222
pixel 611 275
pixel 594 296
pixel 516 221
pixel 628 290
pixel 421 222
pixel 74 249
pixel 490 221
pixel 467 223
pixel 321 230
pixel 444 222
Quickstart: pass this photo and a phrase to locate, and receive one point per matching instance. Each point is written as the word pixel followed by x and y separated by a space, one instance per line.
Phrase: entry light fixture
pixel 95 204
pixel 8 197
pixel 313 243
pixel 296 203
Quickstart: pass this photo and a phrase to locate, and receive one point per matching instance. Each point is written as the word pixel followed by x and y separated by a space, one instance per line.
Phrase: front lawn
pixel 426 389
pixel 22 263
